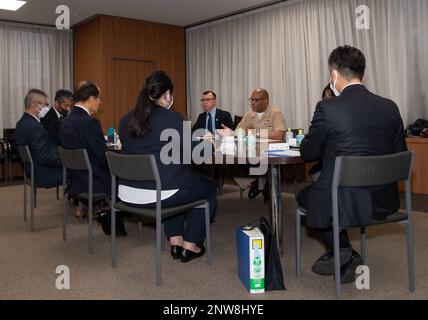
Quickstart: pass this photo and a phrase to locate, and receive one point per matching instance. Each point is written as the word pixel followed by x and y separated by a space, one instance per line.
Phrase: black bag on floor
pixel 273 270
pixel 416 128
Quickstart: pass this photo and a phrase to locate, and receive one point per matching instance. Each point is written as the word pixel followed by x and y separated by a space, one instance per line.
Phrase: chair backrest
pixel 367 171
pixel 9 134
pixel 141 167
pixel 25 155
pixel 9 137
pixel 3 149
pixel 75 159
pixel 236 121
pixel 26 158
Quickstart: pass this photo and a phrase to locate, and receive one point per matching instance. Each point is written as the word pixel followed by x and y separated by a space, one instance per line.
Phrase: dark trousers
pixel 192 224
pixel 327 233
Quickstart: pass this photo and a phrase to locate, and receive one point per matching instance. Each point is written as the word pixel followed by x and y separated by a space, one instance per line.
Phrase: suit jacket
pixel 81 131
pixel 221 117
pixel 47 164
pixel 172 176
pixel 52 123
pixel 355 123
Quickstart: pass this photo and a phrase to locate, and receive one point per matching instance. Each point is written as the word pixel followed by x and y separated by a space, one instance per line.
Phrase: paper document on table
pixel 283 153
pixel 278 147
pixel 262 140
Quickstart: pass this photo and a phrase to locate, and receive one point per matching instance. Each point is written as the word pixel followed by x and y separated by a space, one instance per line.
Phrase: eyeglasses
pixel 207 99
pixel 43 104
pixel 256 100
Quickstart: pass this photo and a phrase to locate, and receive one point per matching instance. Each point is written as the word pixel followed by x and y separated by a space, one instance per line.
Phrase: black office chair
pixel 25 155
pixel 144 168
pixel 236 121
pixel 13 155
pixel 3 159
pixel 359 171
pixel 78 159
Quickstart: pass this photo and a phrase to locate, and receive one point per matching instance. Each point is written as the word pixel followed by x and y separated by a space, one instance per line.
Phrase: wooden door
pixel 128 80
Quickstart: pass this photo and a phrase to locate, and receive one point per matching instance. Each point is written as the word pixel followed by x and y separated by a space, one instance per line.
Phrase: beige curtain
pixel 285 49
pixel 31 57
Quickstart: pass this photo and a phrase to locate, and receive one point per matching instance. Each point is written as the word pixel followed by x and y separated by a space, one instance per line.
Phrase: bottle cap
pixel 300 131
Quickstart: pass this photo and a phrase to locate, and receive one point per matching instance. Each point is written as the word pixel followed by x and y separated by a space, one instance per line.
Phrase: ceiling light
pixel 11 5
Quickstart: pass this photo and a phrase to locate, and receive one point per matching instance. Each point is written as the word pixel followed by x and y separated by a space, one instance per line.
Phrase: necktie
pixel 210 123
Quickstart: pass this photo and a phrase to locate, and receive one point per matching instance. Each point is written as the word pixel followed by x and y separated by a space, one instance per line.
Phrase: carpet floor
pixel 29 260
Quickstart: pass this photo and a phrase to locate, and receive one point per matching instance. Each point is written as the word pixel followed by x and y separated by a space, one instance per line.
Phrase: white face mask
pixel 333 87
pixel 170 103
pixel 43 111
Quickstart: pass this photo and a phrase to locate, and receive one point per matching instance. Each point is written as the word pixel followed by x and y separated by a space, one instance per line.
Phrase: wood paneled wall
pixel 118 54
pixel 419 177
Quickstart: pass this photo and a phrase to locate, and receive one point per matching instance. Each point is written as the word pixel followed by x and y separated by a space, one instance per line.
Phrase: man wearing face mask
pixel 53 118
pixel 30 132
pixel 355 122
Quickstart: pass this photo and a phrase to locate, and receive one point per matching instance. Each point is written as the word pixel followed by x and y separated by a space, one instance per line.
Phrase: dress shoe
pixel 325 264
pixel 347 271
pixel 104 218
pixel 187 255
pixel 254 192
pixel 176 252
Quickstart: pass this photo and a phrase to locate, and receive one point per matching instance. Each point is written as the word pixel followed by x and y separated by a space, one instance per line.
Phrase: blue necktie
pixel 210 123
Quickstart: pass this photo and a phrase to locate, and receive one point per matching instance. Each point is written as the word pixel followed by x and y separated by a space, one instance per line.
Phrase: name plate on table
pixel 278 146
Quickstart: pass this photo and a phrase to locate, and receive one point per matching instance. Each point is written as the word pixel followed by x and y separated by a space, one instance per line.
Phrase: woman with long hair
pixel 140 133
pixel 316 169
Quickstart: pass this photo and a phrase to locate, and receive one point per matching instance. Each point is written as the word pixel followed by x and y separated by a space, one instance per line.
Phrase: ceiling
pixel 175 12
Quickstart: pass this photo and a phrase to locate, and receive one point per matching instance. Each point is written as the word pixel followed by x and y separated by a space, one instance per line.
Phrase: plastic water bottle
pixel 300 137
pixel 188 121
pixel 251 144
pixel 288 135
pixel 240 134
pixel 110 135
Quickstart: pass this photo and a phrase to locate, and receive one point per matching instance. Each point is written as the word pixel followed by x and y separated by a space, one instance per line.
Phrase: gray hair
pixel 31 97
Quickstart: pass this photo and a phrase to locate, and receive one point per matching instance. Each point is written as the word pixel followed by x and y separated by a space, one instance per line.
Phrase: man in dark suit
pixel 30 132
pixel 212 118
pixel 53 119
pixel 355 122
pixel 82 131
